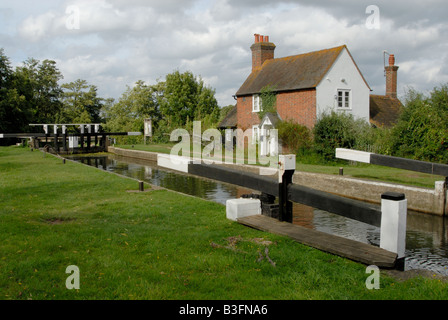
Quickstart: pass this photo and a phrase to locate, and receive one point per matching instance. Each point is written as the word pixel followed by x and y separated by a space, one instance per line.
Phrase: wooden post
pixel 64 142
pixel 104 143
pixel 393 225
pixel 287 166
pixel 81 138
pixel 141 186
pixel 445 196
pixel 89 136
pixel 88 141
pixel 56 146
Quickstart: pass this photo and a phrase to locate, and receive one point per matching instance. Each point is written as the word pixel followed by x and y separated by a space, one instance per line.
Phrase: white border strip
pixel 353 155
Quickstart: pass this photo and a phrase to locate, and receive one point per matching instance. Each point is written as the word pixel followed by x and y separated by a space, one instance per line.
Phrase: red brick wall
pixel 299 106
pixel 245 117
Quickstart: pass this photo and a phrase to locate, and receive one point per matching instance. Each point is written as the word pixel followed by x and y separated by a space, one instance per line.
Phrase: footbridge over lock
pixel 62 138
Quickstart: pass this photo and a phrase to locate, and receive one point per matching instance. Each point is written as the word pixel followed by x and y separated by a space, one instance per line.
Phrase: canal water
pixel 426 236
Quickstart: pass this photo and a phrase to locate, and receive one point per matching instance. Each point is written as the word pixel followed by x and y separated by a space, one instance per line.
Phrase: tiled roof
pixel 384 110
pixel 297 72
pixel 230 120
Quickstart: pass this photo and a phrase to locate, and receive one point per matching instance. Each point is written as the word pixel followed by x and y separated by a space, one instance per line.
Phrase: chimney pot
pixel 391 60
pixel 266 38
pixel 257 38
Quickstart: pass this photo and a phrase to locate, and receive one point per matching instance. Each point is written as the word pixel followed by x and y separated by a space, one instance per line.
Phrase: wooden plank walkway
pixel 351 249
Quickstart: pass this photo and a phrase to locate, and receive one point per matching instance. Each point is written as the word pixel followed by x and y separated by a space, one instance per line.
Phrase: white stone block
pixel 238 208
pixel 173 162
pixel 287 161
pixel 393 226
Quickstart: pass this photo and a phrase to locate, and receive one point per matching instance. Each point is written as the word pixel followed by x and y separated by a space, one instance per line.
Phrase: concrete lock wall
pixel 144 155
pixel 425 200
pixel 432 201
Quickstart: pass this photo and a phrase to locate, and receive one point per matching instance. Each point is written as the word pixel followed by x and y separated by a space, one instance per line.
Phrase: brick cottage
pixel 307 85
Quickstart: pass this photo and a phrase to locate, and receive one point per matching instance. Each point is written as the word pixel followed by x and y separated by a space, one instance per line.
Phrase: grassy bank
pixel 358 170
pixel 154 245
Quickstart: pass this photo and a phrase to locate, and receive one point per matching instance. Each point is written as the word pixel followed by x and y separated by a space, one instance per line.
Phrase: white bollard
pixel 239 208
pixel 393 223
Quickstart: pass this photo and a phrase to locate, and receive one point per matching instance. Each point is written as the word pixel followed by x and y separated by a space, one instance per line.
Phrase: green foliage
pixel 296 136
pixel 333 130
pixel 268 101
pixel 81 103
pixel 340 130
pixel 37 84
pixel 31 94
pixel 13 110
pixel 184 97
pixel 422 130
pixel 28 94
pixel 135 105
pixel 224 111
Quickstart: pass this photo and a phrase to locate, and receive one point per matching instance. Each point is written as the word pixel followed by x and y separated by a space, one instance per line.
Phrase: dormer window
pixel 256 103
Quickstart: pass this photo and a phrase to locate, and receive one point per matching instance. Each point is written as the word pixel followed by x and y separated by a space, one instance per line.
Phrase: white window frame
pixel 255 134
pixel 256 103
pixel 344 99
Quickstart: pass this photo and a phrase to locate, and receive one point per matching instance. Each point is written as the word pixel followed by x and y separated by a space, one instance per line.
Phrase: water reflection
pixel 173 180
pixel 426 237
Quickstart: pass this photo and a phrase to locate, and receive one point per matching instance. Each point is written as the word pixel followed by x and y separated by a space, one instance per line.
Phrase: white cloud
pixel 121 41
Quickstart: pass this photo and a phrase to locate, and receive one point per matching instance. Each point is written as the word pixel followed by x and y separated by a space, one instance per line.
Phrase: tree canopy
pixel 32 93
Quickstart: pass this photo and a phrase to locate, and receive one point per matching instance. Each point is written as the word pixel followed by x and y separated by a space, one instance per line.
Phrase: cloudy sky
pixel 114 43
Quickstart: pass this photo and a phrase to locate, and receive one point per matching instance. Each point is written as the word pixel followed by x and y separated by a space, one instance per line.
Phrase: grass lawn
pixel 358 170
pixel 154 245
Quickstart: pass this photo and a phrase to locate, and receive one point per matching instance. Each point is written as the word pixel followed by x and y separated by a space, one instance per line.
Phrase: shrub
pixel 340 130
pixel 296 136
pixel 333 130
pixel 422 130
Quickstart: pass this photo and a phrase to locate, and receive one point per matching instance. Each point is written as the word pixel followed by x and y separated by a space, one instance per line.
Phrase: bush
pixel 422 130
pixel 340 130
pixel 331 131
pixel 296 136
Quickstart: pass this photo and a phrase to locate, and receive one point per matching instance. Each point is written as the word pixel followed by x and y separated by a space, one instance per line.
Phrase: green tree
pixel 422 130
pixel 13 109
pixel 37 85
pixel 80 103
pixel 135 104
pixel 184 97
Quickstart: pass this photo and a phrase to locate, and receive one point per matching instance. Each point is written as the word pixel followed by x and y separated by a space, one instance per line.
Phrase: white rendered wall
pixel 343 68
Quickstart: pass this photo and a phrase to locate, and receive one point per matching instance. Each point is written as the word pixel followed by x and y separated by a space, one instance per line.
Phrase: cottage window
pixel 344 99
pixel 255 134
pixel 256 103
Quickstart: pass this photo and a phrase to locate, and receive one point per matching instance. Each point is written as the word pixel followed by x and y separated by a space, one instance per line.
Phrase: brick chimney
pixel 391 77
pixel 262 50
